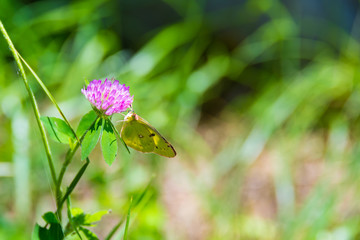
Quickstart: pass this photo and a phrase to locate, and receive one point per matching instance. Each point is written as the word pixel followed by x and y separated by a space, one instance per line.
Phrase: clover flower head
pixel 108 97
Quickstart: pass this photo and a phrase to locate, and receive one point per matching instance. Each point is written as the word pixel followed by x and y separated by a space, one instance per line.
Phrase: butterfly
pixel 138 134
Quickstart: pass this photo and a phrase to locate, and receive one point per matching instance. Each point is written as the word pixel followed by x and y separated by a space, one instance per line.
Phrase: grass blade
pixel 128 219
pixel 47 92
pixel 33 103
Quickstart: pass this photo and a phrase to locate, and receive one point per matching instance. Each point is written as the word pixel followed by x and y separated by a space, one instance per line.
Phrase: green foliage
pixel 94 130
pixel 128 219
pixel 261 103
pixel 50 217
pixel 58 129
pixel 54 231
pixel 86 122
pixel 91 138
pixel 85 219
pixel 108 143
pixel 78 219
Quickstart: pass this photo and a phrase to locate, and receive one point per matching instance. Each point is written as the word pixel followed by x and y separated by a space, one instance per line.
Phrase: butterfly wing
pixel 137 136
pixel 162 146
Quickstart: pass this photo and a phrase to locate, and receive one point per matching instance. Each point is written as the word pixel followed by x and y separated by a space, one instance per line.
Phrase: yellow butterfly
pixel 141 136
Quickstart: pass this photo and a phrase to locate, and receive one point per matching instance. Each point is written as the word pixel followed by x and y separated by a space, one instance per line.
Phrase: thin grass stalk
pixel 33 103
pixel 128 219
pixel 52 99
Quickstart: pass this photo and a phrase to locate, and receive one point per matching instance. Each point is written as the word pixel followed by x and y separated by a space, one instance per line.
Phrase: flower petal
pixel 108 97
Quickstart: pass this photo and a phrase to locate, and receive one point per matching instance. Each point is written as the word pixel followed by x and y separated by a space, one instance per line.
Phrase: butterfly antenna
pixel 122 114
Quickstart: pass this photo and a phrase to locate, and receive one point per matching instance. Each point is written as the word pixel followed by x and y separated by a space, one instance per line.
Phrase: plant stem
pixel 113 231
pixel 118 135
pixel 128 219
pixel 67 161
pixel 52 99
pixel 33 103
pixel 70 217
pixel 69 157
pixel 61 199
pixel 71 187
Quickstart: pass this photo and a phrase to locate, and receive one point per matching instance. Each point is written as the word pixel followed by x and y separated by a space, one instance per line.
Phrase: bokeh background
pixel 261 100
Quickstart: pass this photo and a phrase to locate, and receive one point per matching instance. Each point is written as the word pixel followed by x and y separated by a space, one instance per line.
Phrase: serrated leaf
pixel 108 143
pixel 71 227
pixel 79 218
pixel 85 123
pixel 74 236
pixel 58 129
pixel 89 235
pixel 91 138
pixel 76 212
pixel 50 217
pixel 90 219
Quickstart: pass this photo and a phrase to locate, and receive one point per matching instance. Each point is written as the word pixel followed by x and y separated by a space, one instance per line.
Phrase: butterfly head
pixel 131 116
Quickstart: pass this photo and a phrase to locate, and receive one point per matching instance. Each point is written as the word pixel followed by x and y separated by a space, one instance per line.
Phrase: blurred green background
pixel 261 100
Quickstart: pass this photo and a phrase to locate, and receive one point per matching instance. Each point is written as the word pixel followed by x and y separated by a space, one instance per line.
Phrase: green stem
pixel 118 135
pixel 67 161
pixel 33 102
pixel 69 157
pixel 72 186
pixel 113 231
pixel 52 99
pixel 128 219
pixel 61 199
pixel 70 217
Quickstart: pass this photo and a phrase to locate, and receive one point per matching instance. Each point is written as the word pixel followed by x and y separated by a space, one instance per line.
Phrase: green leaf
pixel 86 82
pixel 55 232
pixel 108 143
pixel 91 138
pixel 71 225
pixel 50 217
pixel 79 218
pixel 75 236
pixel 75 212
pixel 91 219
pixel 44 234
pixel 89 235
pixel 86 121
pixel 58 129
pixel 35 233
